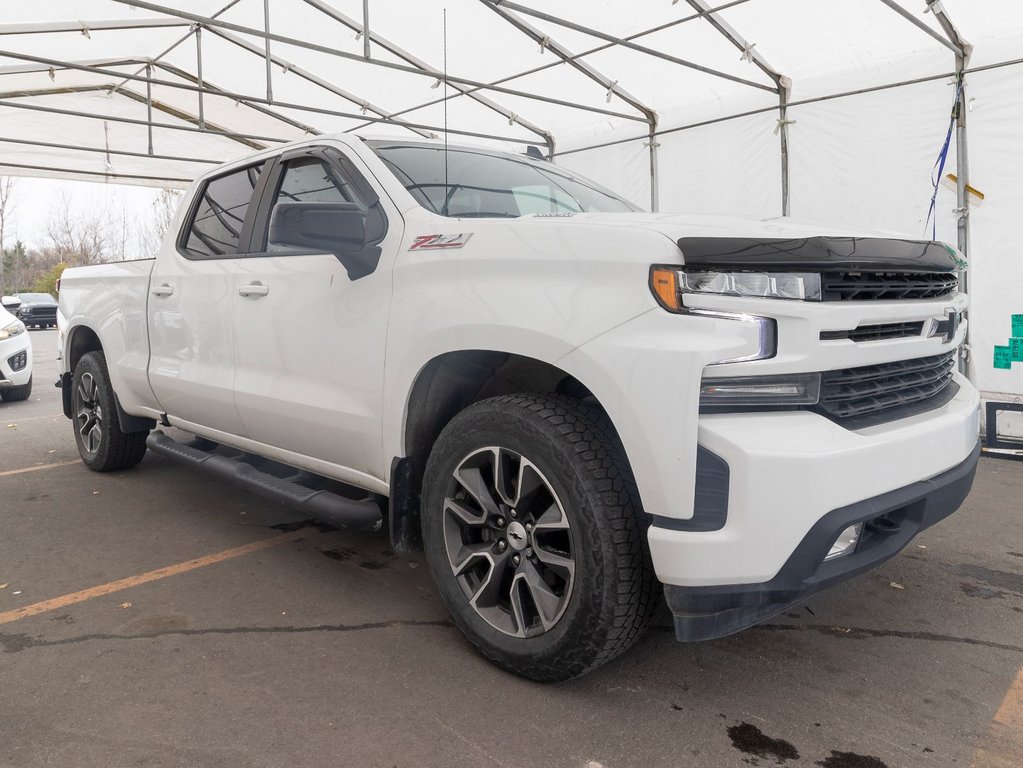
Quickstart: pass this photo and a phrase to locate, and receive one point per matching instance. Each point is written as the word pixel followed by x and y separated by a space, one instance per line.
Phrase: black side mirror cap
pixel 326 227
pixel 338 228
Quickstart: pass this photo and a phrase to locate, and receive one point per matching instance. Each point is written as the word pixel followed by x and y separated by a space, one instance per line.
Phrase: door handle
pixel 162 290
pixel 256 289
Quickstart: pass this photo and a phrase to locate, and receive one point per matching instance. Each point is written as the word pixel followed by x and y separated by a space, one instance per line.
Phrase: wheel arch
pixel 81 340
pixel 447 384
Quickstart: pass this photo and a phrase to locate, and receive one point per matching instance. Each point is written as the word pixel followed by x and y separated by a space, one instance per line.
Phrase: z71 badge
pixel 439 242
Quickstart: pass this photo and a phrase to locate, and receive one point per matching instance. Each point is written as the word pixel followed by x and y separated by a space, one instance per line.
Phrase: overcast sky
pixel 36 199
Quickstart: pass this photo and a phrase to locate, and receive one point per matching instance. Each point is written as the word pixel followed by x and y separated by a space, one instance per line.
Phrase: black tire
pixel 13 394
pixel 611 591
pixel 101 443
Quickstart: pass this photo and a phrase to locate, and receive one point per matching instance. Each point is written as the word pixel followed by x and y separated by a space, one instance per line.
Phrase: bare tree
pixel 76 239
pixel 165 208
pixel 6 211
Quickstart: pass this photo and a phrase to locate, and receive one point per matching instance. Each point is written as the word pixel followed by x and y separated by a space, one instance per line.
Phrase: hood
pixel 783 243
pixel 679 225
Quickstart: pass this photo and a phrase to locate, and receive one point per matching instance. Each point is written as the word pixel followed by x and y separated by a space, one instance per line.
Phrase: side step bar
pixel 332 508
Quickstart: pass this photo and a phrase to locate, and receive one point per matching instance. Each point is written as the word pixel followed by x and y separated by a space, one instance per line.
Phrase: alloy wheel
pixel 509 542
pixel 89 413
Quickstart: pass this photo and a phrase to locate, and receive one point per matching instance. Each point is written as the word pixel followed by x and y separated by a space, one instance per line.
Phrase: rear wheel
pixel 101 443
pixel 13 394
pixel 534 535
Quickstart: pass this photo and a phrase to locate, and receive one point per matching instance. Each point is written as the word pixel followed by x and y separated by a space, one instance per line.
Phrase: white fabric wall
pixel 732 166
pixel 624 168
pixel 996 256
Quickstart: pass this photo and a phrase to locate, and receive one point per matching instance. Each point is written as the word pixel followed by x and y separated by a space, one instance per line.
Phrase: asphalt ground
pixel 156 618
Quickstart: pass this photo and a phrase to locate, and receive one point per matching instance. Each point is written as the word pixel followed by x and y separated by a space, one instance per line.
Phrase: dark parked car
pixel 39 309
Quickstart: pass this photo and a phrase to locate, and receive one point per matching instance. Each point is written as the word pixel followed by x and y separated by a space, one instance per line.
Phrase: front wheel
pixel 534 536
pixel 101 443
pixel 13 394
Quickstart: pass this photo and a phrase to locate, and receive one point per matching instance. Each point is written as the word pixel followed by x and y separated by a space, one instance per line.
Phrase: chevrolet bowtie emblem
pixel 946 328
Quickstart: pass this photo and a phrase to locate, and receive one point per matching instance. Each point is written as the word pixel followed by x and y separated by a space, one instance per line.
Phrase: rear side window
pixel 216 226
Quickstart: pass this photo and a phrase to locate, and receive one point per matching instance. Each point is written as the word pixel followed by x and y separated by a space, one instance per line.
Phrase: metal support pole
pixel 783 131
pixel 198 72
pixel 655 196
pixel 266 23
pixel 149 105
pixel 365 28
pixel 963 51
pixel 963 198
pixel 962 166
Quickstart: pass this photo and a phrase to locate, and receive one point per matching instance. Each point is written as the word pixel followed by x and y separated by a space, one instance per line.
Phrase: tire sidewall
pixel 93 363
pixel 536 441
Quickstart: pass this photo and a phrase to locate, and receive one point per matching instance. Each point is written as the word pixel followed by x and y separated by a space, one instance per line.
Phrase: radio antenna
pixel 447 190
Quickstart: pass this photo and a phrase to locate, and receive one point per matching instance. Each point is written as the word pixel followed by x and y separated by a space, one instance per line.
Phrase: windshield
pixel 482 184
pixel 36 298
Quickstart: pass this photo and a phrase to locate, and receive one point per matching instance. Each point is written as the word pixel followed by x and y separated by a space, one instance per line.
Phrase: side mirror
pixel 327 227
pixel 10 302
pixel 338 228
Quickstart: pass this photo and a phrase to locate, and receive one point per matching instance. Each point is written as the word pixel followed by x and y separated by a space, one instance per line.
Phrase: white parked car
pixel 566 402
pixel 15 354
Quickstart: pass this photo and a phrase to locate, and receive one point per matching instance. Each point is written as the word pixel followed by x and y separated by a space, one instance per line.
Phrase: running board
pixel 332 508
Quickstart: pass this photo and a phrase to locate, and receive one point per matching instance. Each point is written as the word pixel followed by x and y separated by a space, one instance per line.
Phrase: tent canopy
pixel 832 110
pixel 144 92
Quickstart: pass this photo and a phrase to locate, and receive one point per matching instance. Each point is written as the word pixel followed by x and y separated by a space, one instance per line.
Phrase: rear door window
pixel 215 229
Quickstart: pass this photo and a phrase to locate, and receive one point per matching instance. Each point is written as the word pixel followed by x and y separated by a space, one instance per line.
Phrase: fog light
pixel 846 542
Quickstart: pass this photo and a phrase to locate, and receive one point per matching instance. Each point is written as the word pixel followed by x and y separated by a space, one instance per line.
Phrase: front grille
pixel 886 388
pixel 870 286
pixel 876 332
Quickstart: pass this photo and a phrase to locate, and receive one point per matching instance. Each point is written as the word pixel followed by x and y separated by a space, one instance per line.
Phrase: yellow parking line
pixel 1003 747
pixel 144 578
pixel 10 472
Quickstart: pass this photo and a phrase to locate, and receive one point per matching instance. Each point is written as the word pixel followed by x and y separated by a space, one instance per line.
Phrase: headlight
pixel 670 284
pixel 12 330
pixel 783 389
pixel 664 283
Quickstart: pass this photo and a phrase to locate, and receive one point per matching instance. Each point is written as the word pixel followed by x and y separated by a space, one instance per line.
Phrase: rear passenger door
pixel 192 292
pixel 309 338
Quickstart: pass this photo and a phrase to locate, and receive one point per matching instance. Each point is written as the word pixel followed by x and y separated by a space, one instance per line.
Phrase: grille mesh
pixel 876 332
pixel 868 286
pixel 874 389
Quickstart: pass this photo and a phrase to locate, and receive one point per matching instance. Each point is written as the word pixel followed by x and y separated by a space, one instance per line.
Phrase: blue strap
pixel 939 164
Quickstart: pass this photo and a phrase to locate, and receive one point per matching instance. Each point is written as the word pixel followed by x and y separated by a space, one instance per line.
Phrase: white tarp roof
pixel 73 73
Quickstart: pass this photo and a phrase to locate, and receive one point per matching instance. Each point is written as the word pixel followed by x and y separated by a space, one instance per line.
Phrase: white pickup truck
pixel 566 402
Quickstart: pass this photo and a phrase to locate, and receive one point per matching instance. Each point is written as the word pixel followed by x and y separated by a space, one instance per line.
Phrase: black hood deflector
pixel 868 254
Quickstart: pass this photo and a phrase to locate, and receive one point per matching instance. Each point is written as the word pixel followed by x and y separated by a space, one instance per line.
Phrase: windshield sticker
pixel 552 215
pixel 439 242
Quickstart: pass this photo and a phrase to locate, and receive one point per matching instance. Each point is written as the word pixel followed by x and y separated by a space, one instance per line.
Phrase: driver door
pixel 309 340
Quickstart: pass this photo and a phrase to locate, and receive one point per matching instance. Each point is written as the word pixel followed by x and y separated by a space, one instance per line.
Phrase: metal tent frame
pixel 135 78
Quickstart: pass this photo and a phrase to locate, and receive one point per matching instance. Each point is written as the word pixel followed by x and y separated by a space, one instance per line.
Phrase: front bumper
pixel 708 612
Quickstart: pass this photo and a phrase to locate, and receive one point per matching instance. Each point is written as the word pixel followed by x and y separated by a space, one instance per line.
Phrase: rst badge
pixel 439 242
